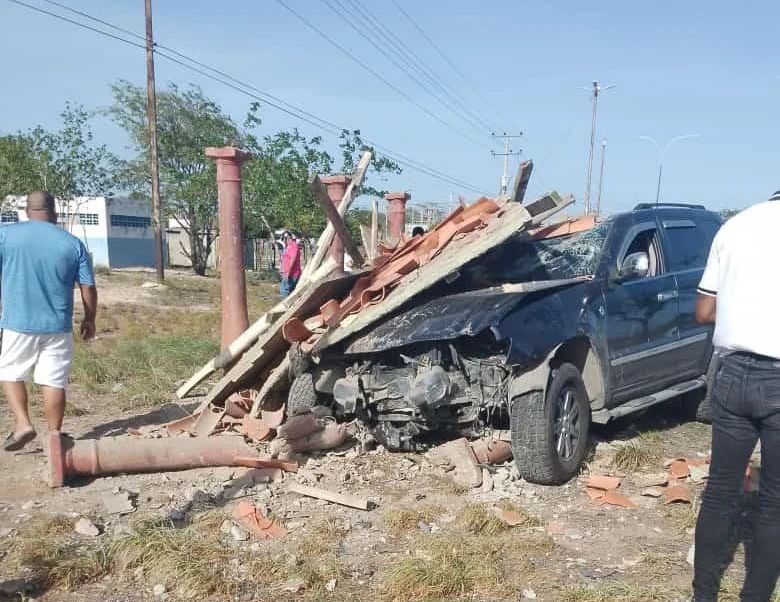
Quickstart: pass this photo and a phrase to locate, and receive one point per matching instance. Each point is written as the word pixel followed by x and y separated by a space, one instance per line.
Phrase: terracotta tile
pixel 255 429
pixel 273 418
pixel 555 528
pixel 615 499
pixel 653 491
pixel 677 493
pixel 679 469
pixel 594 494
pixel 253 520
pixel 510 517
pixel 697 461
pixel 605 482
pixel 295 331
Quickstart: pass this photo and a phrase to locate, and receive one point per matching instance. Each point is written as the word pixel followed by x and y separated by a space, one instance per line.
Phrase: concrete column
pixel 337 186
pixel 231 241
pixel 396 213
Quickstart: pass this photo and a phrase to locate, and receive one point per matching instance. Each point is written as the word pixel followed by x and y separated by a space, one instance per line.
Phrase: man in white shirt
pixel 740 293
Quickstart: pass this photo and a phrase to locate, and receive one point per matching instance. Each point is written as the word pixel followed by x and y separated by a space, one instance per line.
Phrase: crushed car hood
pixel 452 316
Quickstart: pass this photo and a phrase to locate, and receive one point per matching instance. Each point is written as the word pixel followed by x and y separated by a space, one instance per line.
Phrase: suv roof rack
pixel 679 205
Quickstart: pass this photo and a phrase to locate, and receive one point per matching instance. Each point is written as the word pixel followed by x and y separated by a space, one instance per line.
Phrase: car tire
pixel 302 396
pixel 541 455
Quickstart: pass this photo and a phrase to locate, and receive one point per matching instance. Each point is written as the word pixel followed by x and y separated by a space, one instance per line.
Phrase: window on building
pixel 85 219
pixel 9 217
pixel 130 221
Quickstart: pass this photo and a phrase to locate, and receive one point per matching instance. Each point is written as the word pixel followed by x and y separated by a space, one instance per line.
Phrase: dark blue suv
pixel 540 337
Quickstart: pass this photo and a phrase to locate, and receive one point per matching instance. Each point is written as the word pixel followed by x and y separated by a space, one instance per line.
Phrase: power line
pixel 412 59
pixel 441 53
pixel 443 101
pixel 239 86
pixel 376 74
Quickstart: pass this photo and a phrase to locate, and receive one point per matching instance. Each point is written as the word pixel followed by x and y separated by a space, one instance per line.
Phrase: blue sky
pixel 708 68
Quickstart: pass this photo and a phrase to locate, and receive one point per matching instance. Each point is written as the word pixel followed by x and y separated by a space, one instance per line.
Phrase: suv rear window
pixel 688 243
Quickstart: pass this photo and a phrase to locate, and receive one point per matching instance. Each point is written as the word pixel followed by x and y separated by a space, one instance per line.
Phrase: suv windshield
pixel 520 260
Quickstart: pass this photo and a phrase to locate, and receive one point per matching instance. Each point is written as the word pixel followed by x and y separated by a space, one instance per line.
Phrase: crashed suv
pixel 541 335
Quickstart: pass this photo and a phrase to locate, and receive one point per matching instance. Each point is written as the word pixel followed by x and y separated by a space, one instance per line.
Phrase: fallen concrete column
pixel 113 455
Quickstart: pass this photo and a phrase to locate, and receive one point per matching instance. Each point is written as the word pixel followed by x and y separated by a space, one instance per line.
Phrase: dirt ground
pixel 424 539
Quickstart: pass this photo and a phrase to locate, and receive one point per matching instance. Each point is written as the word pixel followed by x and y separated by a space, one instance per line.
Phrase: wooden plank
pixel 249 336
pixel 517 217
pixel 323 244
pixel 374 228
pixel 271 344
pixel 365 238
pixel 521 180
pixel 320 193
pixel 331 496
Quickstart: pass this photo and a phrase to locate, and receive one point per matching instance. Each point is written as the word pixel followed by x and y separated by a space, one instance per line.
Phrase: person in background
pixel 739 293
pixel 291 264
pixel 40 265
pixel 418 231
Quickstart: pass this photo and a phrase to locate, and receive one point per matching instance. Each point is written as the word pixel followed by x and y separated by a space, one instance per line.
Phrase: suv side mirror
pixel 634 267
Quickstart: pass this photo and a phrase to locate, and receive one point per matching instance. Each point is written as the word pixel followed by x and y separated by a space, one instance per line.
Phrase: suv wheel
pixel 550 433
pixel 696 405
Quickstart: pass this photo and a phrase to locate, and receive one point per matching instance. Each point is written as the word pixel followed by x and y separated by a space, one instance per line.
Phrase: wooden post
pixel 321 196
pixel 151 117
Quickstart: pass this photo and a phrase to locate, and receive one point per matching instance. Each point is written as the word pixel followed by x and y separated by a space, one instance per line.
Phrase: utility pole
pixel 508 152
pixel 151 117
pixel 596 90
pixel 601 174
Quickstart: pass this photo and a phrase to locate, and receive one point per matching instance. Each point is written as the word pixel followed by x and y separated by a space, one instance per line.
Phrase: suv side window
pixel 688 243
pixel 646 241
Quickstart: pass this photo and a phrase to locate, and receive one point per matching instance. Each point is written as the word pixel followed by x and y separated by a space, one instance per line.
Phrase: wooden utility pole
pixel 151 117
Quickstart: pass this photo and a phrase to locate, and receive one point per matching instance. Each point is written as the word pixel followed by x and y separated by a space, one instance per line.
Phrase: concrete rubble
pixel 243 420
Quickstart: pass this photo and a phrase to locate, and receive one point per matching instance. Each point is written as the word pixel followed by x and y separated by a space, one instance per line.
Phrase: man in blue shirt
pixel 40 264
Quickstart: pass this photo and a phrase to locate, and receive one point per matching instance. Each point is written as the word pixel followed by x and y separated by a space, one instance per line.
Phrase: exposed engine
pixel 456 388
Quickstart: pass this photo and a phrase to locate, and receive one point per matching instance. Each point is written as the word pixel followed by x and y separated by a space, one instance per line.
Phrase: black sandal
pixel 14 442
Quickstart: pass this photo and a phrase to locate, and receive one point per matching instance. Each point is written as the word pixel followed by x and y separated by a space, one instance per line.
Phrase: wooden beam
pixel 365 237
pixel 323 244
pixel 321 196
pixel 521 180
pixel 374 228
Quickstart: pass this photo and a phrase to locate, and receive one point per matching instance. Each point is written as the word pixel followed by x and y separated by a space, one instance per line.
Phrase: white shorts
pixel 45 357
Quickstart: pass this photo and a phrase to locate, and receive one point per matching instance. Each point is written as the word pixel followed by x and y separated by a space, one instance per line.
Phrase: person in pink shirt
pixel 291 264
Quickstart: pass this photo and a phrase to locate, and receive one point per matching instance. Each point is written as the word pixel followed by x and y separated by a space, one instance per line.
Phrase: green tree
pixel 187 123
pixel 66 162
pixel 352 148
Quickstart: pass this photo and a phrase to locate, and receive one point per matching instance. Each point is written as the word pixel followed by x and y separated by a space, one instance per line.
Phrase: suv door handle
pixel 667 296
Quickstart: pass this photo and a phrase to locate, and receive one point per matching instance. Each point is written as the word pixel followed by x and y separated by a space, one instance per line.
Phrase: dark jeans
pixel 745 408
pixel 287 286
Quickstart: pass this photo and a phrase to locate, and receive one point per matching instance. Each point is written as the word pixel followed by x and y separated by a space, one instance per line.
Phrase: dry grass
pixel 636 454
pixel 47 549
pixel 404 520
pixel 617 592
pixel 194 559
pixel 461 564
pixel 317 558
pixel 444 568
pixel 481 519
pixel 683 516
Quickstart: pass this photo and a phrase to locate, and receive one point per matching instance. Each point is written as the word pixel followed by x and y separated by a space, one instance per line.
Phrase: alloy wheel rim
pixel 566 426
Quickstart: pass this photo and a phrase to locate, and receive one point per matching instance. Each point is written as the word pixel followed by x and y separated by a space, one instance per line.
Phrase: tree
pixel 187 123
pixel 352 148
pixel 66 162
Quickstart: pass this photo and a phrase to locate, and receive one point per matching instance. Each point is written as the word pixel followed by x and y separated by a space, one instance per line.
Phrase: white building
pixel 117 232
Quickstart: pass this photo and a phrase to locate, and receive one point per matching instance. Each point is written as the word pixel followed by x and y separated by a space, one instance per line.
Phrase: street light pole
pixel 601 175
pixel 661 152
pixel 596 90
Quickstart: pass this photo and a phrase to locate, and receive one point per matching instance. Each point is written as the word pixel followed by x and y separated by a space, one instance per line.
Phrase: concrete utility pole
pixel 596 90
pixel 151 117
pixel 506 154
pixel 601 174
pixel 661 152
